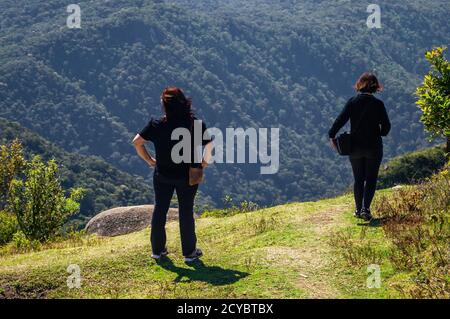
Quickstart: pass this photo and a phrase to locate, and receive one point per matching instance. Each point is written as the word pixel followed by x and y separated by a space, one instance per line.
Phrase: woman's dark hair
pixel 368 83
pixel 175 104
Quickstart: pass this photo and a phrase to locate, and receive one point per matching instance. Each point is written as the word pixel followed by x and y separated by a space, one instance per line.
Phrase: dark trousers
pixel 163 195
pixel 365 166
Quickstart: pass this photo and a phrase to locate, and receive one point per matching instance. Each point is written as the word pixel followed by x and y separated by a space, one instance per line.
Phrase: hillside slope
pixel 280 252
pixel 412 167
pixel 265 63
pixel 106 185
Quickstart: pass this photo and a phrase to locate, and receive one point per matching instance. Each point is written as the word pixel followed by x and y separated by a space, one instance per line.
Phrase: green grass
pixel 278 252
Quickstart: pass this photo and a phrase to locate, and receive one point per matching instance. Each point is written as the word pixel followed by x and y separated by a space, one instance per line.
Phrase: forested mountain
pixel 286 64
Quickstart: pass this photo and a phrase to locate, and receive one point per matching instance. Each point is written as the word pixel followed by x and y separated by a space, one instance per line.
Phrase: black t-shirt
pixel 369 122
pixel 159 132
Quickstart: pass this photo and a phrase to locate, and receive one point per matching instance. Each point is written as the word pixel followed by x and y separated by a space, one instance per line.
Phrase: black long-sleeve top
pixel 160 133
pixel 369 122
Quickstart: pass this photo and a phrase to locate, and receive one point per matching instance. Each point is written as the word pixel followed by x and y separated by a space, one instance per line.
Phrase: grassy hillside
pixel 280 252
pixel 412 167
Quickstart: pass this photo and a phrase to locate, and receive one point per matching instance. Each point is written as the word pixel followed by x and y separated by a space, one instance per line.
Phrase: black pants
pixel 164 189
pixel 365 166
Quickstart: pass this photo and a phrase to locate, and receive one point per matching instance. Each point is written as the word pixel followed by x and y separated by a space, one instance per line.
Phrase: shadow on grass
pixel 213 275
pixel 374 222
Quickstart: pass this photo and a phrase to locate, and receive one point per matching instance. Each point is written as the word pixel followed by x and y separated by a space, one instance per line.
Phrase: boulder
pixel 124 220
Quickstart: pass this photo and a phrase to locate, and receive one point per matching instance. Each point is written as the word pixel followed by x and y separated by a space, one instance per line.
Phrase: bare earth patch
pixel 312 258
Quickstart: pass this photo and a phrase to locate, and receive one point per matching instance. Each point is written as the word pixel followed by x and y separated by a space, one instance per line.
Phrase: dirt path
pixel 313 259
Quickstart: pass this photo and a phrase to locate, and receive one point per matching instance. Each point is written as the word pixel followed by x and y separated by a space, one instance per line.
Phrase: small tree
pixel 11 163
pixel 434 96
pixel 39 202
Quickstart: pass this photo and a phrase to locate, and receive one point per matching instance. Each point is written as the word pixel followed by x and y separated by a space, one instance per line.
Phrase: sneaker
pixel 194 256
pixel 365 214
pixel 357 214
pixel 163 253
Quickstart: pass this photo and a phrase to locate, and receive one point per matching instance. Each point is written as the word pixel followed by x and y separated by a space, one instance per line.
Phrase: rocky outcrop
pixel 124 220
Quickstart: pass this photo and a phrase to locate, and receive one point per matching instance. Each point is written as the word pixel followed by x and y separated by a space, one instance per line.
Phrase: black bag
pixel 344 144
pixel 344 140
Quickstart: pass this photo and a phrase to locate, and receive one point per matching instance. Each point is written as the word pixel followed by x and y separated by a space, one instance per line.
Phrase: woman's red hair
pixel 368 83
pixel 175 103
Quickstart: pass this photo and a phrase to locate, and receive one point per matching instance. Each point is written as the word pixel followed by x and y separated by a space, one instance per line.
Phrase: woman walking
pixel 170 175
pixel 369 122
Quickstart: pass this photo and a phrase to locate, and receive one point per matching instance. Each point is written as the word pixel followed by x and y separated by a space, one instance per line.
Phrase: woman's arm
pixel 139 144
pixel 343 118
pixel 207 154
pixel 385 124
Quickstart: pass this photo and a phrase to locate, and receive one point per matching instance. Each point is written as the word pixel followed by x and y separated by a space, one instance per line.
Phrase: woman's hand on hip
pixel 333 143
pixel 152 162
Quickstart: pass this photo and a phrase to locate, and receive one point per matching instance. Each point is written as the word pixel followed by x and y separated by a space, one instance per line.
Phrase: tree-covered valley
pixel 286 64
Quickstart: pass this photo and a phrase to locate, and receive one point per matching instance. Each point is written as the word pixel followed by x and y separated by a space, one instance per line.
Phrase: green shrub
pixel 243 207
pixel 8 226
pixel 434 95
pixel 11 162
pixel 417 222
pixel 22 243
pixel 39 201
